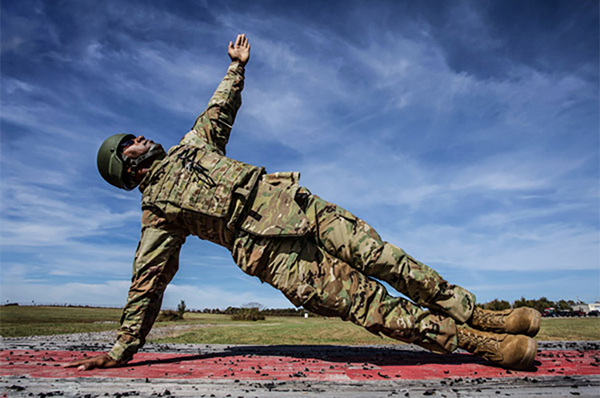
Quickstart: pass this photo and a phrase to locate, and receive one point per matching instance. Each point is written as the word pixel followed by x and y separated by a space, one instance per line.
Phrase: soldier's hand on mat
pixel 99 361
pixel 240 50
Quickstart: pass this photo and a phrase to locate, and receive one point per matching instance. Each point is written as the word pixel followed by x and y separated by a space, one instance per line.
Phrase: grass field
pixel 279 330
pixel 34 321
pixel 220 329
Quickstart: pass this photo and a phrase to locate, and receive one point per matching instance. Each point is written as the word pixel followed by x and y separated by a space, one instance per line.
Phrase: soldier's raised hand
pixel 240 50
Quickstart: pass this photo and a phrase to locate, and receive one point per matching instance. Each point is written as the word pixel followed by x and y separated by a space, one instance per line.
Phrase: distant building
pixel 587 307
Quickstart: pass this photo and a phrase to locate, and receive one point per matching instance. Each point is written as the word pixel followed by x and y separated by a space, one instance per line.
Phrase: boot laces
pixel 476 342
pixel 490 318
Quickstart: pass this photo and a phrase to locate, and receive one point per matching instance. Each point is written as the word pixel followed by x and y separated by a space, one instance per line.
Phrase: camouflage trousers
pixel 330 272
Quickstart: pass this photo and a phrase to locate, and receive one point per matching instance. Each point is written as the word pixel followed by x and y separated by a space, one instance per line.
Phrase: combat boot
pixel 522 320
pixel 507 350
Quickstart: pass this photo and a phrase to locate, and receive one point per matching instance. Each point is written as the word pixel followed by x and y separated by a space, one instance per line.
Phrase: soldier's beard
pixel 144 161
pixel 156 152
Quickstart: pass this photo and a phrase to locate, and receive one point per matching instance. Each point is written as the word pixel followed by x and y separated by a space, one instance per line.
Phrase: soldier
pixel 319 255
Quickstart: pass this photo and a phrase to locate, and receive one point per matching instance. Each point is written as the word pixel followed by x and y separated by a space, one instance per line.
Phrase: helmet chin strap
pixel 156 152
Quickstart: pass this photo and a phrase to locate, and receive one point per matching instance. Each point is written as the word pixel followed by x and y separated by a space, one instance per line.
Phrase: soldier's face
pixel 137 147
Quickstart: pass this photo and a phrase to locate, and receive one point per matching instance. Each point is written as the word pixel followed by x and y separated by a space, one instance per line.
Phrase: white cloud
pixel 41 217
pixel 564 286
pixel 203 296
pixel 114 293
pixel 540 248
pixel 109 293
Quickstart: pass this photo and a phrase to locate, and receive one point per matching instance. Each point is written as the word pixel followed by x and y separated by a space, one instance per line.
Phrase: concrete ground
pixel 33 367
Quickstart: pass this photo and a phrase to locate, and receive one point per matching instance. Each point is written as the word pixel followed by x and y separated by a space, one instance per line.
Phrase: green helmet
pixel 110 164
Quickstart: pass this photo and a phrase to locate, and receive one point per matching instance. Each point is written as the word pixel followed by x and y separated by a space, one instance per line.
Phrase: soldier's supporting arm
pixel 156 262
pixel 215 123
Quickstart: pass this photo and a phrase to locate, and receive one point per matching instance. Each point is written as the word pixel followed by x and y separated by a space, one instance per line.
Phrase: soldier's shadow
pixel 373 355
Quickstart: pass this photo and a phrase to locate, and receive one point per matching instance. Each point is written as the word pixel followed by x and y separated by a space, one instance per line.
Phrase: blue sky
pixel 465 132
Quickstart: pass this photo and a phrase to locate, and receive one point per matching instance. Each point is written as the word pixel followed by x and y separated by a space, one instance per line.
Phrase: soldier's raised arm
pixel 214 124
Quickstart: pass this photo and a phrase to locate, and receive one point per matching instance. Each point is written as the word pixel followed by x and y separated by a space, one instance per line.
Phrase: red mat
pixel 417 366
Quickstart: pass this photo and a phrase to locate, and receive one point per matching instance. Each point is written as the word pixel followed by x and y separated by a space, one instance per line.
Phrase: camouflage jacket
pixel 197 190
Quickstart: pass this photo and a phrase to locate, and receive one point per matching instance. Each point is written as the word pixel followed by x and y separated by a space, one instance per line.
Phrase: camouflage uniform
pixel 319 255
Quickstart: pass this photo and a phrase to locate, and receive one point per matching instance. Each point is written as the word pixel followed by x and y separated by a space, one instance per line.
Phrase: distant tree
pixel 540 304
pixel 256 305
pixel 520 303
pixel 497 305
pixel 283 312
pixel 169 316
pixel 181 308
pixel 249 312
pixel 564 305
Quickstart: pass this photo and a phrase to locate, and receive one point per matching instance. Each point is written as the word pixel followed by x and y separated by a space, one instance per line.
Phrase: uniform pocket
pixel 274 212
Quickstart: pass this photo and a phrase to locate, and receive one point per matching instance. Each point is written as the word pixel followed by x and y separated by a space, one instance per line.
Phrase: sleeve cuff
pixel 119 353
pixel 236 66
